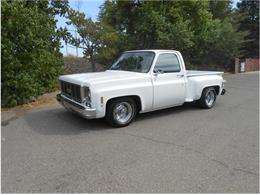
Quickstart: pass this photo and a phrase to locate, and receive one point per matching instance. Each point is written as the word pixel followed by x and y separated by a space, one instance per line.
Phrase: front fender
pixel 102 95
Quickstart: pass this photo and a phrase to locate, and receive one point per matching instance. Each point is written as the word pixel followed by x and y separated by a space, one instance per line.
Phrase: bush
pixel 31 61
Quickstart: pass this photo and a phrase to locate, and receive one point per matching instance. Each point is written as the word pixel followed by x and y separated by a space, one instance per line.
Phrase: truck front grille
pixel 71 90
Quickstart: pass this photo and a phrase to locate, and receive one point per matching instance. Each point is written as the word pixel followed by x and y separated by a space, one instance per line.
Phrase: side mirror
pixel 157 71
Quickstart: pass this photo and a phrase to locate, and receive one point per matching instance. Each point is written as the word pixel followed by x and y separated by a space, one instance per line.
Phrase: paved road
pixel 183 149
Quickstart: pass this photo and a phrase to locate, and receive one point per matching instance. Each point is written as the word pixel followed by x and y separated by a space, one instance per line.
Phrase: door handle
pixel 180 75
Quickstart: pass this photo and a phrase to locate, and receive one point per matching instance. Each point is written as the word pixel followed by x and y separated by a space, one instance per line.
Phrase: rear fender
pixel 196 85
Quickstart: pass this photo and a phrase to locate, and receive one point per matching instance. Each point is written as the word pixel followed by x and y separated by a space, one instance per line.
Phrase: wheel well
pixel 136 98
pixel 216 87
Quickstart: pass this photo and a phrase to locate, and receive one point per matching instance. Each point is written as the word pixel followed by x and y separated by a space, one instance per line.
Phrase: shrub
pixel 31 61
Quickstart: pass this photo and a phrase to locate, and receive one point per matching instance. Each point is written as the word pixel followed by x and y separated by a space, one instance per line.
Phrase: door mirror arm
pixel 157 71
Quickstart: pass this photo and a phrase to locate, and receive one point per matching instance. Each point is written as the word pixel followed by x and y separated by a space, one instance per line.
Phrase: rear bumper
pixel 76 107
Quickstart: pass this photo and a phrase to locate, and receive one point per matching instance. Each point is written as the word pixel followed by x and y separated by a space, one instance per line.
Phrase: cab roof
pixel 153 50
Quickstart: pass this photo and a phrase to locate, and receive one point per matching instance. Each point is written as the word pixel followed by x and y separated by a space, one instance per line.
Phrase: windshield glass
pixel 134 61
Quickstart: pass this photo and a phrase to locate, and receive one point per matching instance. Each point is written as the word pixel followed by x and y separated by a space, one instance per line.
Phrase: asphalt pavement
pixel 177 150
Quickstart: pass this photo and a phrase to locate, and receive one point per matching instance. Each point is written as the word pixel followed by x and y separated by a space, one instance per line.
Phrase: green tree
pixel 95 38
pixel 30 44
pixel 152 24
pixel 201 30
pixel 220 9
pixel 225 40
pixel 224 45
pixel 250 22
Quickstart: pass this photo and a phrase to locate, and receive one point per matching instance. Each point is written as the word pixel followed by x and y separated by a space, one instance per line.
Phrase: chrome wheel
pixel 123 112
pixel 210 98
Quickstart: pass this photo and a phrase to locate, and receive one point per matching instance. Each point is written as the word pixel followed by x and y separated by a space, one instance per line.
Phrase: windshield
pixel 134 61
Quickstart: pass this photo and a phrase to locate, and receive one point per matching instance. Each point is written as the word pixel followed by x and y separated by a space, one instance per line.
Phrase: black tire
pixel 204 99
pixel 113 109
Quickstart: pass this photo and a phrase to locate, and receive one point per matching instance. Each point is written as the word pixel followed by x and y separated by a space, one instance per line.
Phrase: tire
pixel 208 98
pixel 120 112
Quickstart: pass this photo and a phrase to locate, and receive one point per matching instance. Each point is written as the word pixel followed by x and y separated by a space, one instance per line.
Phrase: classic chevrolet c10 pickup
pixel 139 81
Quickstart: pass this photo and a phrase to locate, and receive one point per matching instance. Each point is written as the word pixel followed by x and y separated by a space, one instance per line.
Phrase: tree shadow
pixel 58 121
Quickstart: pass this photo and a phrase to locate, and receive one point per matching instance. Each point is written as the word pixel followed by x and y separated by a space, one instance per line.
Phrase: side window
pixel 167 62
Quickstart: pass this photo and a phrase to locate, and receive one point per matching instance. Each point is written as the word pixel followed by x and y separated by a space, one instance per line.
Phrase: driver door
pixel 168 81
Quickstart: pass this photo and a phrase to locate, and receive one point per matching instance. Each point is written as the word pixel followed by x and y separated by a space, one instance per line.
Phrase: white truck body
pixel 153 90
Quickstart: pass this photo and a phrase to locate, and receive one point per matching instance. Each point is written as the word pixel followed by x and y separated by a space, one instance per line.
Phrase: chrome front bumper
pixel 76 107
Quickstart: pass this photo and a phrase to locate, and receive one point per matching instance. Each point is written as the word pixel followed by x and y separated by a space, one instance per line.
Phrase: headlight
pixel 87 96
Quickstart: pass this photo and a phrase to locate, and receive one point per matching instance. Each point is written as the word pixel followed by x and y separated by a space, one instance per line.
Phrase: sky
pixel 91 9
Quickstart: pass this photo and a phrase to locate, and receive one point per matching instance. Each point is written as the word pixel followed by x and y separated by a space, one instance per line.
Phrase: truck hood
pixel 100 77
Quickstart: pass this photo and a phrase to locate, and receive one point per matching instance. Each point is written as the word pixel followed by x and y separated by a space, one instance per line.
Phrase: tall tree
pixel 220 9
pixel 199 29
pixel 30 44
pixel 94 37
pixel 250 22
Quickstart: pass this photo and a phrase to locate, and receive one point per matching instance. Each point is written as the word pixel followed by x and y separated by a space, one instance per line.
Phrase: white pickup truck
pixel 139 81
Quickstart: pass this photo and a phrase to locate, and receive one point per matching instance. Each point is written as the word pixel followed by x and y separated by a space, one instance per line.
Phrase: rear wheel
pixel 208 98
pixel 121 112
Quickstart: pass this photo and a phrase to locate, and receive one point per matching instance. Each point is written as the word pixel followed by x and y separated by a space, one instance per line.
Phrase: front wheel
pixel 208 98
pixel 121 112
